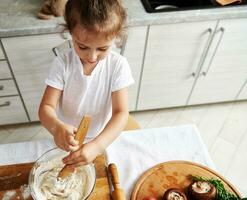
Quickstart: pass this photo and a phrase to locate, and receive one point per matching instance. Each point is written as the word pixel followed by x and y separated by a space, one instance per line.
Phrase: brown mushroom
pixel 174 194
pixel 202 190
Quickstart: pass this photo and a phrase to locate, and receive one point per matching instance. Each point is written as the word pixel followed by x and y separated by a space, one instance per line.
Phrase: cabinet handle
pixel 198 69
pixel 55 51
pixel 1 87
pixel 7 103
pixel 222 30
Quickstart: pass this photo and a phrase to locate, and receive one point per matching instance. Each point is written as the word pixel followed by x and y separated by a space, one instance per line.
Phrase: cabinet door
pixel 30 58
pixel 12 111
pixel 225 69
pixel 4 70
pixel 173 53
pixel 243 92
pixel 1 52
pixel 134 51
pixel 7 88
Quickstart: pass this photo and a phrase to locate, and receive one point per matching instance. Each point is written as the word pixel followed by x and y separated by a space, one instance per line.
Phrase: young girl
pixel 88 79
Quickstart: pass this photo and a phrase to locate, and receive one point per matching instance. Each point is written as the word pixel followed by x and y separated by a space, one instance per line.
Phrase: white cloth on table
pixel 24 152
pixel 138 150
pixel 133 153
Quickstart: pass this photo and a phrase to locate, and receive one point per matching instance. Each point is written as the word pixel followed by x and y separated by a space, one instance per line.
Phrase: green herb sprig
pixel 222 193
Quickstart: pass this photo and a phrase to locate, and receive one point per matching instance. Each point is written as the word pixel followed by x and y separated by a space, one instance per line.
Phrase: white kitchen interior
pixel 189 66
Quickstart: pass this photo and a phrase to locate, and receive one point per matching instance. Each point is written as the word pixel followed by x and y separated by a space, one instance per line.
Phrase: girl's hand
pixel 64 137
pixel 85 155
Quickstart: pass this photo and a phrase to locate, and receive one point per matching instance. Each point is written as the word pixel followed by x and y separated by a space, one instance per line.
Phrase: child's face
pixel 90 46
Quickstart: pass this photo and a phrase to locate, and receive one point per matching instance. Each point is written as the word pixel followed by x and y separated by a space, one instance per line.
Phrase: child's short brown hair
pixel 103 16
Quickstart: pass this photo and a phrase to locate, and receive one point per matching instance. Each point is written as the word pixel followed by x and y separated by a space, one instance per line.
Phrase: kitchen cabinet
pixel 174 53
pixel 12 110
pixel 172 64
pixel 193 63
pixel 1 54
pixel 133 50
pixel 224 70
pixel 7 88
pixel 30 58
pixel 243 92
pixel 4 70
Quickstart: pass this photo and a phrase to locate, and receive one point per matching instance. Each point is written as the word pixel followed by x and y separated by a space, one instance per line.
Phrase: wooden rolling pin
pixel 117 193
pixel 79 136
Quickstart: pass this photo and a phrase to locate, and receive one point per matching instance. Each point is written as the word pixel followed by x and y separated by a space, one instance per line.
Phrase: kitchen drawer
pixel 1 53
pixel 7 87
pixel 12 111
pixel 4 70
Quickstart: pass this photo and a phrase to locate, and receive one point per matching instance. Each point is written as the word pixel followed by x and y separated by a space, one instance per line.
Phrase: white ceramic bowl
pixel 54 154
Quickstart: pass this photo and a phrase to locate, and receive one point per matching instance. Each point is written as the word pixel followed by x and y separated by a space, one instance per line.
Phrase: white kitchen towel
pixel 24 152
pixel 136 151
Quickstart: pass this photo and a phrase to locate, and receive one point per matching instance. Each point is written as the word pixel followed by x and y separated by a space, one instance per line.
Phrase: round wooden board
pixel 159 178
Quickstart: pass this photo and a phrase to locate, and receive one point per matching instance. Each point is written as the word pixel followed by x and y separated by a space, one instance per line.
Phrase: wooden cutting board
pixel 158 179
pixel 14 177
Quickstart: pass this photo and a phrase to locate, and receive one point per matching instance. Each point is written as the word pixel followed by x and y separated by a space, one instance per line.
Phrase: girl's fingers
pixel 74 130
pixel 70 144
pixel 73 157
pixel 73 161
pixel 69 147
pixel 63 146
pixel 71 140
pixel 66 148
pixel 78 164
pixel 73 148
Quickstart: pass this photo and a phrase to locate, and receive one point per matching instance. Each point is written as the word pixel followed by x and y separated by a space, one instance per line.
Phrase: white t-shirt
pixel 88 95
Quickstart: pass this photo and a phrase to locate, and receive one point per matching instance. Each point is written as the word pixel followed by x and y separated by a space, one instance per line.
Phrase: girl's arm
pixel 63 133
pixel 116 124
pixel 47 109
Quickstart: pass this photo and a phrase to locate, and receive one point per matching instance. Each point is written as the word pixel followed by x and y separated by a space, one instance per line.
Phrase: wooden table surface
pixel 14 176
pixel 102 187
